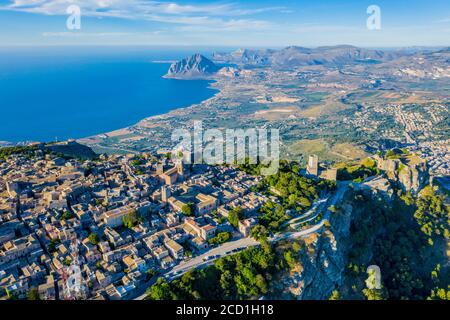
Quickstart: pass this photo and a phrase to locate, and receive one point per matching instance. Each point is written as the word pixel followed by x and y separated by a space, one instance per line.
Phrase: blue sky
pixel 250 23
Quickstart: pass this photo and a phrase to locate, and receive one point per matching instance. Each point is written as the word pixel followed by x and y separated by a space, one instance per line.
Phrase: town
pixel 115 223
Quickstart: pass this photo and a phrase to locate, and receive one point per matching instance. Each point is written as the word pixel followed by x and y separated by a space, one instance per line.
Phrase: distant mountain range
pixel 299 56
pixel 399 63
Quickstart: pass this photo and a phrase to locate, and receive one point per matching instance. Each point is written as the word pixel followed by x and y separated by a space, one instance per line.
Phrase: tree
pixel 188 209
pixel 33 294
pixel 440 294
pixel 67 262
pixel 432 215
pixel 296 246
pixel 235 215
pixel 131 220
pixel 160 291
pixel 66 215
pixel 150 273
pixel 220 238
pixel 259 233
pixel 52 245
pixel 374 290
pixel 93 238
pixel 335 295
pixel 374 294
pixel 290 259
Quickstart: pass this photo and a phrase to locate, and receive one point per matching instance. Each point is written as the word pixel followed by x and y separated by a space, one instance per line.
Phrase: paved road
pixel 308 213
pixel 244 243
pixel 213 254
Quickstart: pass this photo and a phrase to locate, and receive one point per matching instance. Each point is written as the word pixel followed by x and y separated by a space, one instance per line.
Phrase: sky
pixel 234 23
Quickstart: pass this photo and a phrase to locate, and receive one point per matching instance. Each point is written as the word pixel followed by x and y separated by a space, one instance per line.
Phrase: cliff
pixel 322 262
pixel 409 172
pixel 193 67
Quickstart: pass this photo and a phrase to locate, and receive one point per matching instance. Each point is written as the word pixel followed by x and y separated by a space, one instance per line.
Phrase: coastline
pixel 89 140
pixel 177 110
pixel 93 141
pixel 108 94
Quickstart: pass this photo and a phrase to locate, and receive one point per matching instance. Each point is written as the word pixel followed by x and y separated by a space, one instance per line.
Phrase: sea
pixel 58 93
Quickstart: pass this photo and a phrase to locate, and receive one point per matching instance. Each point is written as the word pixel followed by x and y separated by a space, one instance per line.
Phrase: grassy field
pixel 325 151
pixel 330 106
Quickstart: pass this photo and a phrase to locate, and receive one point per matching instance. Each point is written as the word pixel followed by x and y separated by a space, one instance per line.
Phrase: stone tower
pixel 313 165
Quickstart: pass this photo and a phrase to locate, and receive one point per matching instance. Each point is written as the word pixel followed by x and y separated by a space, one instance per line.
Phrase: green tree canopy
pixel 235 215
pixel 188 209
pixel 93 238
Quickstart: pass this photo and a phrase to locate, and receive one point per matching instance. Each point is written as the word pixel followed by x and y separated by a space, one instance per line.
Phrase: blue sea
pixel 62 93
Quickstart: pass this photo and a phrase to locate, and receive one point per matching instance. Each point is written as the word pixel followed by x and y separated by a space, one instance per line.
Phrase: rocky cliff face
pixel 323 262
pixel 409 172
pixel 196 66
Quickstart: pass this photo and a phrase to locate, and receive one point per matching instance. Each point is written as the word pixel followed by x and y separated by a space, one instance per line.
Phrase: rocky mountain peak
pixel 195 66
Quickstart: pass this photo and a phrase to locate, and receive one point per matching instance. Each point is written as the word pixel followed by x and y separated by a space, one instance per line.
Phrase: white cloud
pixel 98 34
pixel 214 15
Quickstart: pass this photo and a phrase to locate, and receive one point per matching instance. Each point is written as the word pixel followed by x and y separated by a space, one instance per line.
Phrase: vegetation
pixel 51 247
pixel 131 220
pixel 295 193
pixel 335 295
pixel 440 294
pixel 150 274
pixel 245 275
pixel 161 290
pixel 188 210
pixel 432 215
pixel 136 162
pixel 9 151
pixel 374 290
pixel 358 172
pixel 374 294
pixel 220 238
pixel 93 238
pixel 66 216
pixel 259 233
pixel 33 294
pixel 100 202
pixel 235 215
pixel 389 235
pixel 272 216
pixel 396 153
pixel 67 262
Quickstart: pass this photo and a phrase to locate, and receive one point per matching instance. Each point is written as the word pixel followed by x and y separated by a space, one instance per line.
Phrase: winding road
pixel 231 248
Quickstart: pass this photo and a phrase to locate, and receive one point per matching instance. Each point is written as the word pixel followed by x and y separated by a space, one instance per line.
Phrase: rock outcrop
pixel 323 262
pixel 379 185
pixel 409 172
pixel 193 67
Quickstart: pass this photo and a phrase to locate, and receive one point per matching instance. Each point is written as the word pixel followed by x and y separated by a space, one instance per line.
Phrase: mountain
pixel 420 65
pixel 330 56
pixel 196 66
pixel 299 56
pixel 245 56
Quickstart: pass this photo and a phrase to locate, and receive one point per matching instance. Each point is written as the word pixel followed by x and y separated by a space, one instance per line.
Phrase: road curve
pixel 244 243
